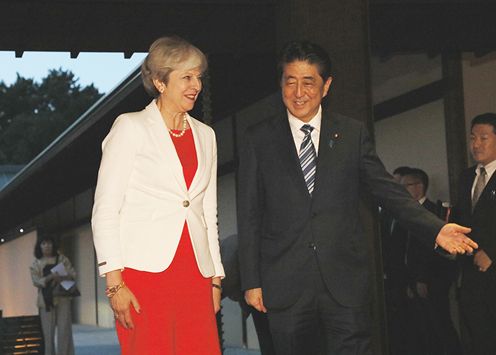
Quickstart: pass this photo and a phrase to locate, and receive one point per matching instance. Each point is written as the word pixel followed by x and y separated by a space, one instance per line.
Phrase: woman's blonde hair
pixel 167 54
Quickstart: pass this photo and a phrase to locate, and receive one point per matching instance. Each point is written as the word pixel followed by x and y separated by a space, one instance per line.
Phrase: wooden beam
pixel 410 100
pixel 454 115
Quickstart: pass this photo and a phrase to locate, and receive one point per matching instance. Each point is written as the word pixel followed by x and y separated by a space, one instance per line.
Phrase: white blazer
pixel 141 199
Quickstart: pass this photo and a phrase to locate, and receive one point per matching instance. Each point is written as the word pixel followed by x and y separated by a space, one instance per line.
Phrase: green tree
pixel 33 114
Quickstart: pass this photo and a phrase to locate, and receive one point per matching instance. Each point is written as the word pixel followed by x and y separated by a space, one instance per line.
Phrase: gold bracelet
pixel 112 290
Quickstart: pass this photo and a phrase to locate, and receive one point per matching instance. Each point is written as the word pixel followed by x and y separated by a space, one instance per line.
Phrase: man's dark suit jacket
pixel 483 223
pixel 281 226
pixel 426 265
pixel 393 241
pixel 478 290
pixel 231 285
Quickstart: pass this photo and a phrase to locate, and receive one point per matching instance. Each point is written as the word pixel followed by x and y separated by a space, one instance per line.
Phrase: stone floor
pixel 90 340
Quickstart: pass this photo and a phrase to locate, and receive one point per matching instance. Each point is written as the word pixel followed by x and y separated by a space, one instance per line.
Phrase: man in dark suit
pixel 476 207
pixel 431 275
pixel 304 256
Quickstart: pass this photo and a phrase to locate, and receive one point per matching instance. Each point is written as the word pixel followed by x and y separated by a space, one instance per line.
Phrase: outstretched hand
pixel 452 238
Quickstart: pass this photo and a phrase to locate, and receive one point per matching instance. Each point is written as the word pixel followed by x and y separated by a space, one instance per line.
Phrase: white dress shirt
pixel 490 168
pixel 295 124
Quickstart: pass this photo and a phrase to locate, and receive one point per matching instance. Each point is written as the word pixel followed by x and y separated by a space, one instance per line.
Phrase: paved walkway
pixel 90 340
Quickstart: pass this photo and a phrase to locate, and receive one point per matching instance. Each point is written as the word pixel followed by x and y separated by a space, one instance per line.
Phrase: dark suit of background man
pixel 393 242
pixel 476 207
pixel 304 256
pixel 430 275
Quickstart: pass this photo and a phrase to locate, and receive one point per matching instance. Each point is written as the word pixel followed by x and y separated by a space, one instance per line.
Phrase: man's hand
pixel 254 298
pixel 409 292
pixel 482 261
pixel 452 238
pixel 422 289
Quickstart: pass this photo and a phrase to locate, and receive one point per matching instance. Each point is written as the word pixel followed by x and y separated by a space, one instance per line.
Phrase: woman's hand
pixel 55 277
pixel 120 304
pixel 216 293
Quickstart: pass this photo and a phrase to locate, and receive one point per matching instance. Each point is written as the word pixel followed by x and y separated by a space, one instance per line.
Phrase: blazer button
pixel 185 203
pixel 312 245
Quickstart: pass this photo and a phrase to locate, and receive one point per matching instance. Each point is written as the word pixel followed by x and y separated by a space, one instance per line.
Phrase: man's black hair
pixel 305 51
pixel 485 118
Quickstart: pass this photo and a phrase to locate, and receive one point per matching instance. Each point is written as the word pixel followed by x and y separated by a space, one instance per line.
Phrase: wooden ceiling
pixel 129 26
pixel 237 27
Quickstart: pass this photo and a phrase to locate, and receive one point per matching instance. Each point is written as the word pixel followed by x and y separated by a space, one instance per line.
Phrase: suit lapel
pixel 200 153
pixel 286 151
pixel 488 190
pixel 162 139
pixel 329 135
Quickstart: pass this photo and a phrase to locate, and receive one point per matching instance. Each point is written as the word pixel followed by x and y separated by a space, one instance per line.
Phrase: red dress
pixel 177 312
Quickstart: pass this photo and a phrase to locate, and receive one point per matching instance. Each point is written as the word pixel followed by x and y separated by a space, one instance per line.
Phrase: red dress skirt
pixel 177 313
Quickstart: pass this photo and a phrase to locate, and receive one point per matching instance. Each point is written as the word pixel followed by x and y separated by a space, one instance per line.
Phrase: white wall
pixel 17 294
pixel 479 86
pixel 417 138
pixel 84 263
pixel 402 73
pixel 92 308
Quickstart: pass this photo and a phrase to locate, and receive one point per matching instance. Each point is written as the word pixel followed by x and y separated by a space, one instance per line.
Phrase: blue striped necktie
pixel 308 157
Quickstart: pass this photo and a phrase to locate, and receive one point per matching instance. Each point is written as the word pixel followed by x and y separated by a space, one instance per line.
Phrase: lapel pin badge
pixel 333 140
pixel 492 195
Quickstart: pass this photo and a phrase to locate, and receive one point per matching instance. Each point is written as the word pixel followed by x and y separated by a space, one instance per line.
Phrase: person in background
pixel 476 207
pixel 399 172
pixel 430 277
pixel 55 312
pixel 155 213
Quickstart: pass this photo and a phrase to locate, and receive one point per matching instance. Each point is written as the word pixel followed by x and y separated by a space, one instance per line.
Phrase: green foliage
pixel 33 114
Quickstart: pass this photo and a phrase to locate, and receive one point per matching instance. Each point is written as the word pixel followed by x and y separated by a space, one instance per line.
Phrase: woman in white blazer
pixel 155 213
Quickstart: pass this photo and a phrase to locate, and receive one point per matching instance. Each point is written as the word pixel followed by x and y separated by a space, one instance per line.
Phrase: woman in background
pixel 155 213
pixel 55 312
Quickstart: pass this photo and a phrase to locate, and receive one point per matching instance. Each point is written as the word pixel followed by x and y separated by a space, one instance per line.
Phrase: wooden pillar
pixel 341 27
pixel 454 113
